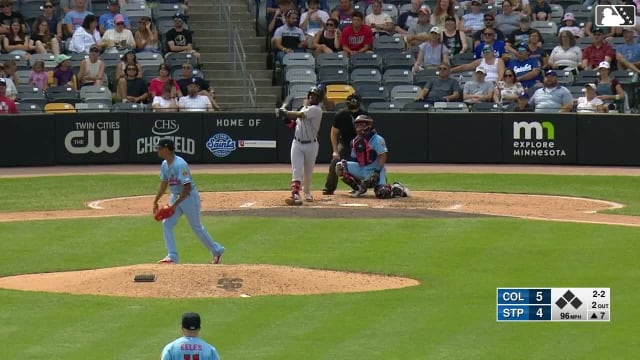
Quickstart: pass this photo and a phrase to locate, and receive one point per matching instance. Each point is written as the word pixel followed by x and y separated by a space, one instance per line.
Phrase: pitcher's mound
pixel 192 281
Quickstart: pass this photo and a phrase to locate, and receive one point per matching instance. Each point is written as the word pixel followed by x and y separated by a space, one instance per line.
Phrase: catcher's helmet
pixel 353 101
pixel 363 124
pixel 364 118
pixel 318 92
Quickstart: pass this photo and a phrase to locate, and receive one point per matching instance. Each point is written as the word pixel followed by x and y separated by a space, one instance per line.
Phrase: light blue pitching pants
pixel 190 207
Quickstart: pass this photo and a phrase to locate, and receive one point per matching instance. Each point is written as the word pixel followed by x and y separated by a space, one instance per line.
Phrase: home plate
pixel 354 205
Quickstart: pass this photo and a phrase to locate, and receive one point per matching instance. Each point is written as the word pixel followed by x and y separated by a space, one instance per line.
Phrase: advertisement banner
pixel 608 140
pixel 97 138
pixel 27 140
pixel 146 129
pixel 465 137
pixel 539 138
pixel 239 138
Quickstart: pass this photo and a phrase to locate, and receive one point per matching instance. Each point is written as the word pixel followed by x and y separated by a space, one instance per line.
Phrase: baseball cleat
pixel 308 197
pixel 327 192
pixel 217 259
pixel 167 260
pixel 361 191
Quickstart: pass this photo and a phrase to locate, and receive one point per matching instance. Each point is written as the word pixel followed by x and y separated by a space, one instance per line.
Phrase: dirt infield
pixel 256 280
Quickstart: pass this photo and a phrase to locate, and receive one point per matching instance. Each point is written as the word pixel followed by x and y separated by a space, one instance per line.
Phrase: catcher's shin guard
pixel 341 171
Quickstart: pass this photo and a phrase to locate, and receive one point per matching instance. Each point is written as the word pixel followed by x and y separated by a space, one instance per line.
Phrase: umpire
pixel 342 132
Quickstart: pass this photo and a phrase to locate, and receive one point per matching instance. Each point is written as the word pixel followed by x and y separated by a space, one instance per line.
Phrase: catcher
pixel 185 199
pixel 369 150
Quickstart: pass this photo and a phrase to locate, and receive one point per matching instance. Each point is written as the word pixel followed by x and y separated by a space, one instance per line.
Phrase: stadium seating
pixel 394 60
pixel 62 94
pixel 333 76
pixel 383 107
pixel 55 108
pixel 450 107
pixel 338 93
pixel 92 107
pixel 404 94
pixel 128 107
pixel 366 60
pixel 417 106
pixel 394 77
pixel 26 108
pixel 486 107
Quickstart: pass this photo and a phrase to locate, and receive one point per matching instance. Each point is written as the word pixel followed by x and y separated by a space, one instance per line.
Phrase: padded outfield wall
pixel 247 137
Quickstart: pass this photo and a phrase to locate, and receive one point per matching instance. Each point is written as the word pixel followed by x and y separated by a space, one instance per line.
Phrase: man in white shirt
pixel 312 20
pixel 194 101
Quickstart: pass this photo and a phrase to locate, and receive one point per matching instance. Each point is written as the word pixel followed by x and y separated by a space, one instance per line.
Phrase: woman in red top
pixel 164 76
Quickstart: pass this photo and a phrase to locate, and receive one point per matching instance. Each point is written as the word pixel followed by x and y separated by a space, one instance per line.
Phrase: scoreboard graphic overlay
pixel 553 304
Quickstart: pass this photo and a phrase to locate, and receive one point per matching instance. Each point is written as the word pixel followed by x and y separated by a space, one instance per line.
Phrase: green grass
pixel 72 192
pixel 451 315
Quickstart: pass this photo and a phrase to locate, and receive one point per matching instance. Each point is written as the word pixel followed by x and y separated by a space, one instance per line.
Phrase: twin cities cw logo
pixel 535 139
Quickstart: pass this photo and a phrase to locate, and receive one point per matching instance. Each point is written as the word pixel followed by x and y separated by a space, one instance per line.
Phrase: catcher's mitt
pixel 163 213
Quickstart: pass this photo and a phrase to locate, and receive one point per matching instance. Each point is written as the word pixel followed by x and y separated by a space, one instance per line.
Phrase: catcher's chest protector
pixel 364 154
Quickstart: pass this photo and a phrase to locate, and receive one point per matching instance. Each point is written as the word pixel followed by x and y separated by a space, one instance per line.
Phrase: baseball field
pixel 459 261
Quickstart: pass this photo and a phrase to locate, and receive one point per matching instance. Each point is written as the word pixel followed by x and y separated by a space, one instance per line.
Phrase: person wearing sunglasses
pixel 441 89
pixel 131 87
pixel 328 40
pixel 108 20
pixel 508 89
pixel 147 38
pixel 53 20
pixel 186 77
pixel 489 38
pixel 119 38
pixel 92 69
pixel 489 25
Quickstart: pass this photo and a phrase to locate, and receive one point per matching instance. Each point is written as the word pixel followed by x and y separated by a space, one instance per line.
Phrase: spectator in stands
pixel 432 52
pixel 567 55
pixel 508 90
pixel 522 105
pixel 288 38
pixel 442 88
pixel 569 24
pixel 409 18
pixel 478 90
pixel 489 38
pixel 528 71
pixel 179 39
pixel 164 77
pixel 343 13
pixel 508 21
pixel 357 37
pixel 597 52
pixel 166 102
pixel 551 97
pixel 519 36
pixel 540 10
pixel 279 16
pixel 313 20
pixel 55 25
pixel 379 22
pixel 489 24
pixel 7 105
pixel 7 15
pixel 10 69
pixel 62 74
pixel 521 6
pixel 474 20
pixel 74 19
pixel 493 67
pixel 328 40
pixel 187 77
pixel 147 38
pixel 69 5
pixel 128 58
pixel 119 38
pixel 419 32
pixel 11 91
pixel 17 42
pixel 193 101
pixel 43 40
pixel 590 103
pixel 132 87
pixel 454 39
pixel 37 76
pixel 91 69
pixel 535 48
pixel 86 35
pixel 108 20
pixel 442 10
pixel 609 88
pixel 628 54
pixel 590 24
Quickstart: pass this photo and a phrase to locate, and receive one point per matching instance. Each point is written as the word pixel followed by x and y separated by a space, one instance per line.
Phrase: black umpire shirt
pixel 343 121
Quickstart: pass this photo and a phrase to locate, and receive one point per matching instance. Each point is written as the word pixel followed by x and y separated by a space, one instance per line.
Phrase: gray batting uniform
pixel 304 148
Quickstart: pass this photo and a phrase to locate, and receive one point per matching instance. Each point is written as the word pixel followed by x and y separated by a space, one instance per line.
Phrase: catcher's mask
pixel 315 95
pixel 353 102
pixel 363 124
